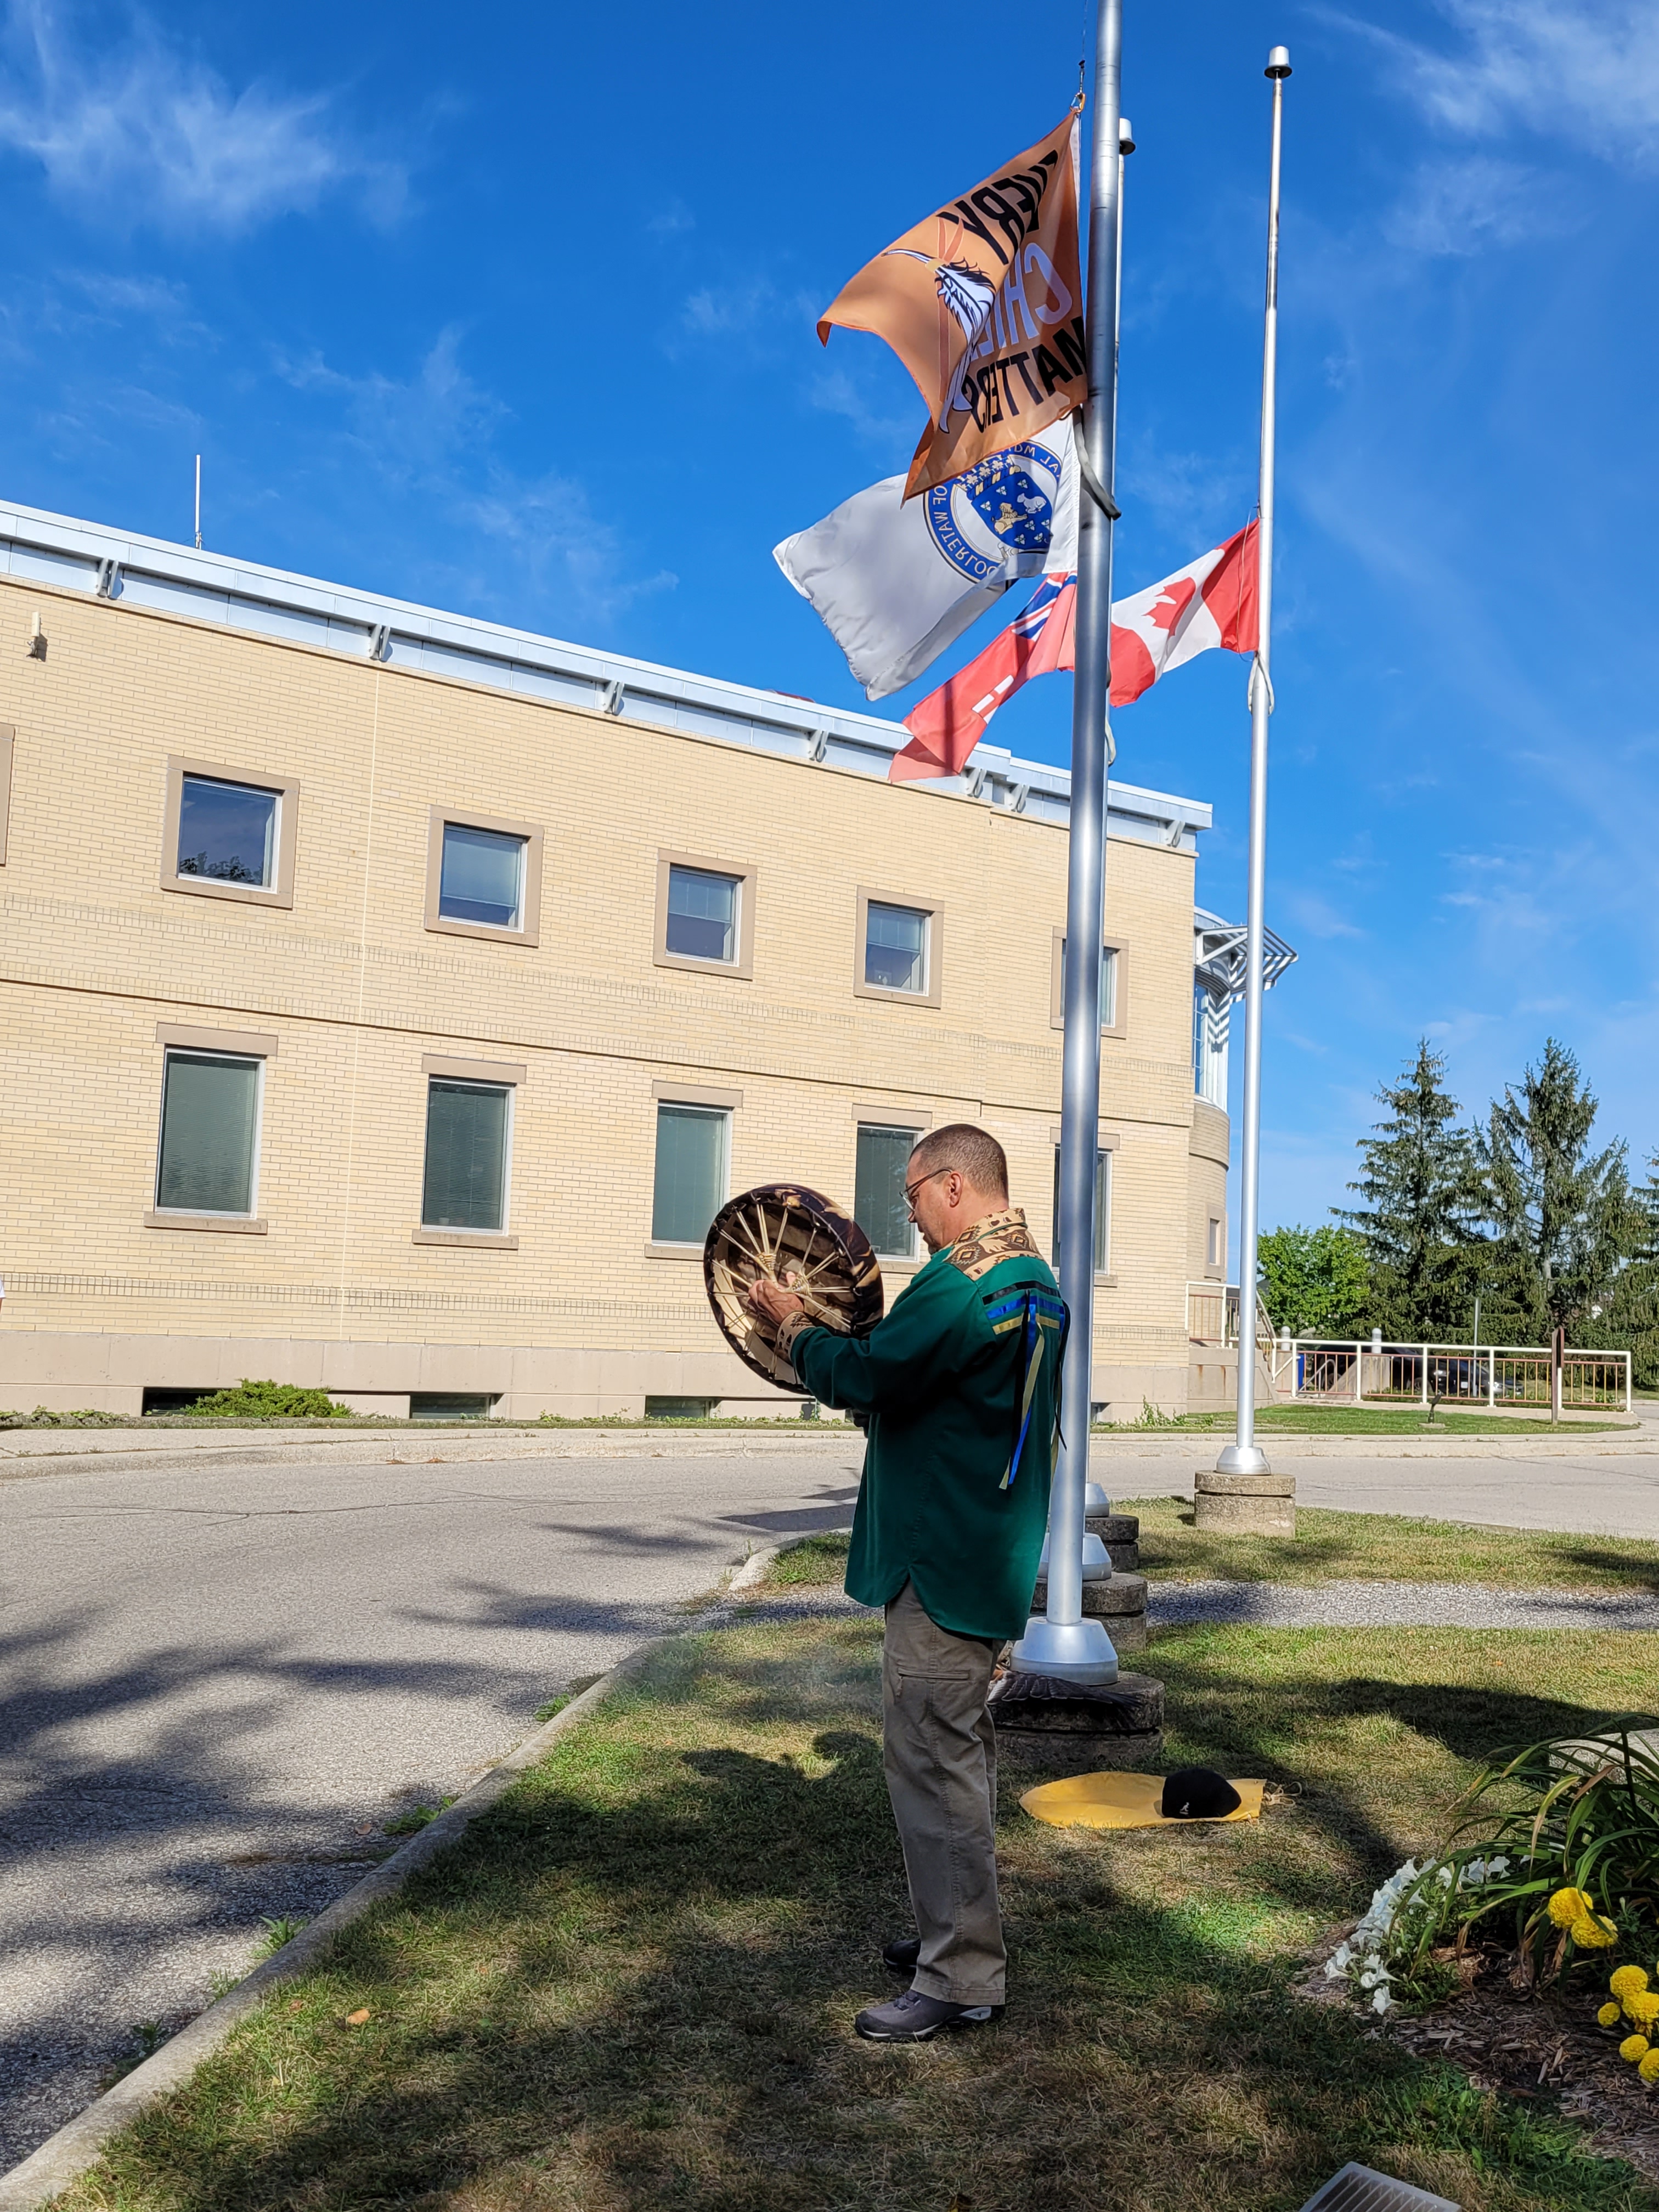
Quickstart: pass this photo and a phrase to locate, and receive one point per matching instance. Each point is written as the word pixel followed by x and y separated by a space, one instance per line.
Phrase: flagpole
pixel 1063 1642
pixel 1244 1455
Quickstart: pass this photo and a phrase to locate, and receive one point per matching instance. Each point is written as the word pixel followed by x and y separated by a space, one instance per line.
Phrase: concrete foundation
pixel 1244 1504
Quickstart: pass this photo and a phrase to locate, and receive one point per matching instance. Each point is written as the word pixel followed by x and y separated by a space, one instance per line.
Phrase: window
pixel 879 1205
pixel 229 836
pixel 1211 1021
pixel 484 877
pixel 679 1409
pixel 896 947
pixel 210 1134
pixel 227 832
pixel 467 1132
pixel 702 914
pixel 1213 1246
pixel 705 915
pixel 1114 963
pixel 898 951
pixel 1102 1211
pixel 693 1143
pixel 451 1405
pixel 481 876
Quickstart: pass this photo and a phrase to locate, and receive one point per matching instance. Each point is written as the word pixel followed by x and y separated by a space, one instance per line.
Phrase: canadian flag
pixel 1210 602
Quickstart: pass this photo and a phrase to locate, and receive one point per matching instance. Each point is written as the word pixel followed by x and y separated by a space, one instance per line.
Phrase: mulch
pixel 1545 2048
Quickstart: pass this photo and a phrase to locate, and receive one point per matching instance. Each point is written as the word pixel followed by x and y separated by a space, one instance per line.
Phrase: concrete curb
pixel 64 2157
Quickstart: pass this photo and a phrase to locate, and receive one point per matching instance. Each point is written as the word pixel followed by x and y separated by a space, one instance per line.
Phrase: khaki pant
pixel 938 1749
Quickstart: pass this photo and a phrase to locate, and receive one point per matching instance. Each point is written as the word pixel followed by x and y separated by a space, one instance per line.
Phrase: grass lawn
pixel 1338 1548
pixel 1373 1421
pixel 632 1987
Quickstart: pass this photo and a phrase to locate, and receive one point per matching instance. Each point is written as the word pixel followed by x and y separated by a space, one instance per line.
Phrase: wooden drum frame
pixel 783 1230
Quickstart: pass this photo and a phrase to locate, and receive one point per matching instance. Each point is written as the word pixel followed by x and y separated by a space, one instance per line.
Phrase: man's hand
pixel 770 1302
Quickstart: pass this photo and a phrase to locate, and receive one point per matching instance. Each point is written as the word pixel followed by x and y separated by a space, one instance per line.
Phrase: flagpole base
pixel 1243 1459
pixel 1075 1650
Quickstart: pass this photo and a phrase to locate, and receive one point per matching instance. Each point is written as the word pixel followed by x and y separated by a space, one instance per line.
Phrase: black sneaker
pixel 902 1953
pixel 912 2017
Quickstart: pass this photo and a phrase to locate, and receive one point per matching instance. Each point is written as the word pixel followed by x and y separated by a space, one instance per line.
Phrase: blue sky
pixel 514 312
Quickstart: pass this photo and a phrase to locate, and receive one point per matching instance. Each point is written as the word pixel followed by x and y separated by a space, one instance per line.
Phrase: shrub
pixel 269 1401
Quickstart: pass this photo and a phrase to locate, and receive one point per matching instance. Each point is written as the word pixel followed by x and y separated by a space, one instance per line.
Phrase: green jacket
pixel 942 1379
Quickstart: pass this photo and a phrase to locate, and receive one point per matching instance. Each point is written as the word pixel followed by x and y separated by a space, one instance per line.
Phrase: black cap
pixel 1198 1793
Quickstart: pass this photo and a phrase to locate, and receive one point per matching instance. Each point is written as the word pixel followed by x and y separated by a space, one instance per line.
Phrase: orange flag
pixel 983 304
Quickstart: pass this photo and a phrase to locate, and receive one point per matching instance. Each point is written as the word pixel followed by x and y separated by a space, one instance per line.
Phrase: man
pixel 960 1383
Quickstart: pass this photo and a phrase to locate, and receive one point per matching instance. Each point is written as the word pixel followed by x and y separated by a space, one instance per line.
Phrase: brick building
pixel 390 996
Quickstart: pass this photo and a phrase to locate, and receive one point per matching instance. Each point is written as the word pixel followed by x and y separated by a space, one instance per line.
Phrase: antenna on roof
pixel 198 502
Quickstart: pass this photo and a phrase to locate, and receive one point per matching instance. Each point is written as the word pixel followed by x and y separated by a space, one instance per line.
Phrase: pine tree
pixel 1423 1205
pixel 1564 1221
pixel 1628 1320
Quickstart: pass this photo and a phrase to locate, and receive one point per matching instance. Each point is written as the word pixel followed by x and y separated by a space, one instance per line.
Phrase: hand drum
pixel 802 1241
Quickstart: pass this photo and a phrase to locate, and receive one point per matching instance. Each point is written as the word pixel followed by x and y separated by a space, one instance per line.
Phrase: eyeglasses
pixel 911 1188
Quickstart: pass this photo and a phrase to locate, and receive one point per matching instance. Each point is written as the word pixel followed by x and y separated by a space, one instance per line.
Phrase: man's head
pixel 955 1178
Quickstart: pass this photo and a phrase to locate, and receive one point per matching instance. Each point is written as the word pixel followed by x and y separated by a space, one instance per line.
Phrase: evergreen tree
pixel 1315 1282
pixel 1423 1205
pixel 1564 1221
pixel 1629 1321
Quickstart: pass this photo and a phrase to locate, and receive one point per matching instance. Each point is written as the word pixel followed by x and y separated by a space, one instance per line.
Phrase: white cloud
pixel 431 434
pixel 146 134
pixel 1460 207
pixel 836 391
pixel 1586 73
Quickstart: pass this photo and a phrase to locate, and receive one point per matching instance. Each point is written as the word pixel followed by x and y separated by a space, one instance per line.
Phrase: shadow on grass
pixel 631 1987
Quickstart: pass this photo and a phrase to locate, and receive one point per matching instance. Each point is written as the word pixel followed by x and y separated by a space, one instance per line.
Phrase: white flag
pixel 897 580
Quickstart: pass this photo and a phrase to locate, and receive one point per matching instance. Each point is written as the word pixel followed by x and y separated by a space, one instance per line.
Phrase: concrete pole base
pixel 1244 1504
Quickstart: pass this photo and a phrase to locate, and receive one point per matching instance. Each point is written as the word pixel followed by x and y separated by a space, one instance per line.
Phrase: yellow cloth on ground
pixel 1123 1801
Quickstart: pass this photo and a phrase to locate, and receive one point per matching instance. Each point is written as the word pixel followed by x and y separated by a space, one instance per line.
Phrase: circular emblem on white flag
pixel 998 509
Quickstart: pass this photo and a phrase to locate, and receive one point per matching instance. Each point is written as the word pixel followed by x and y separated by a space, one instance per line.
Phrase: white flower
pixel 1381 2002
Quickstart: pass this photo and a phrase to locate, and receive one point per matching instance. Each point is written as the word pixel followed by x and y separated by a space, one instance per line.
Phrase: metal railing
pixel 1334 1371
pixel 1212 1317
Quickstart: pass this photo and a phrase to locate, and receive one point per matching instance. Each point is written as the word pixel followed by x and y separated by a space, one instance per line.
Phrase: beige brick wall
pixel 581 1316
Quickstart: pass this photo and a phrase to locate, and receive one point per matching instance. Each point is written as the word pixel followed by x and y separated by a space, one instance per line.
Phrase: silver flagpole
pixel 1063 1642
pixel 1244 1455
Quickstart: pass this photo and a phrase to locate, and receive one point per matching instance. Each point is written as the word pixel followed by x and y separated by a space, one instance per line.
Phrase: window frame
pixel 279 893
pixel 1107 1143
pixel 915 1127
pixel 933 955
pixel 746 878
pixel 1119 1025
pixel 238 1047
pixel 1215 1244
pixel 482 1075
pixel 529 931
pixel 674 1093
pixel 8 751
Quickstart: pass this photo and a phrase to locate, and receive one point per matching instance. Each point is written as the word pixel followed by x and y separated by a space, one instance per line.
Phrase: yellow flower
pixel 1641 2009
pixel 1609 2016
pixel 1594 1932
pixel 1626 1981
pixel 1648 2067
pixel 1633 2047
pixel 1570 1904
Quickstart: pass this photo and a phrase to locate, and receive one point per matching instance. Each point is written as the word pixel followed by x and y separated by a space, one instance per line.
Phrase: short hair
pixel 973 1153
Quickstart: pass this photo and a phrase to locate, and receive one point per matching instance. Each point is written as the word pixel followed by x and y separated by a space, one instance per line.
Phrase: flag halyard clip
pixel 1097 490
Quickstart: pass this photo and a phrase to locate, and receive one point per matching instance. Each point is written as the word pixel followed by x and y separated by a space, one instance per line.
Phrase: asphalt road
pixel 1599 1494
pixel 217 1684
